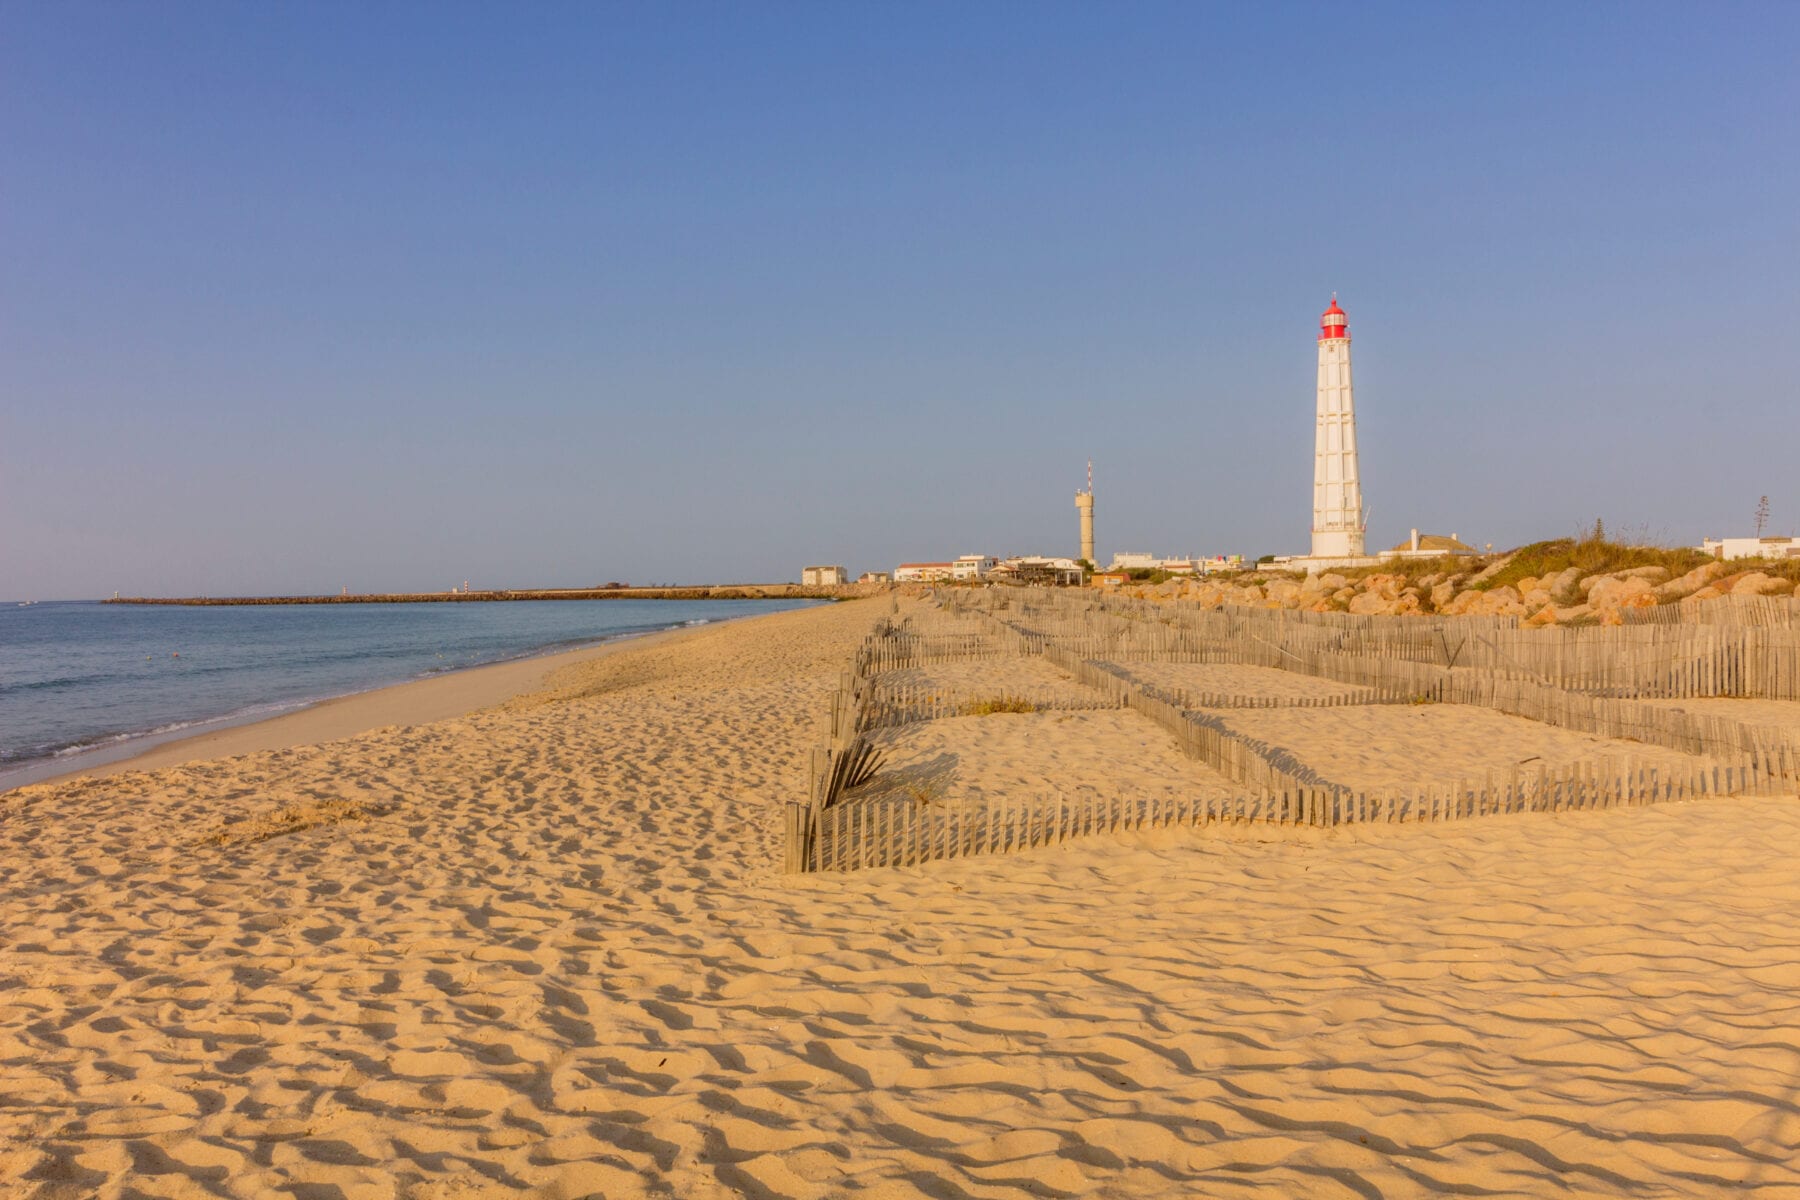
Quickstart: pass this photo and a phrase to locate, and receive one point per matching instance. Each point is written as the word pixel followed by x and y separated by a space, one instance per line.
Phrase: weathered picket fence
pixel 1735 646
pixel 1580 679
pixel 901 832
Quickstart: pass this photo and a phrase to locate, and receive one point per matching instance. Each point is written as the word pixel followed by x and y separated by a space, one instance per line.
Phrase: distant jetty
pixel 728 591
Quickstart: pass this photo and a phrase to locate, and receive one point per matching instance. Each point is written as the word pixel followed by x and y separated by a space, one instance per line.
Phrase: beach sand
pixel 542 949
pixel 1031 756
pixel 1776 714
pixel 1401 746
pixel 1232 679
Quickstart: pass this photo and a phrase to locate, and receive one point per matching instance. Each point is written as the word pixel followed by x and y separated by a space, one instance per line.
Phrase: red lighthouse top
pixel 1332 322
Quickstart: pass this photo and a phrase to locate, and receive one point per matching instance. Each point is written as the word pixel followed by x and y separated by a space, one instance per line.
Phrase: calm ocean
pixel 80 678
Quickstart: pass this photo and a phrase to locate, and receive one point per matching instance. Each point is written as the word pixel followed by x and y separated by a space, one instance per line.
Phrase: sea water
pixel 82 680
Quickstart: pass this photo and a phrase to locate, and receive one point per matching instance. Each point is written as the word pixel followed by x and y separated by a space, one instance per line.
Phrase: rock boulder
pixel 1612 593
pixel 1565 586
pixel 1693 581
pixel 1756 583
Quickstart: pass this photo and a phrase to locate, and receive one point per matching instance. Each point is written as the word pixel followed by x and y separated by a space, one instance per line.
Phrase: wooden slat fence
pixel 1586 680
pixel 909 703
pixel 900 832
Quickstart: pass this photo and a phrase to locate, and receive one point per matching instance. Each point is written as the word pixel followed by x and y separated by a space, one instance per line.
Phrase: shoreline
pixel 729 591
pixel 421 701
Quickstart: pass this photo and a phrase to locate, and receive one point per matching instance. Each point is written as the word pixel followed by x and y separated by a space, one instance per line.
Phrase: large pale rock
pixel 1373 604
pixel 1462 603
pixel 1442 593
pixel 1693 581
pixel 1386 586
pixel 1459 604
pixel 1527 585
pixel 1756 583
pixel 1651 575
pixel 1495 602
pixel 1249 594
pixel 1564 587
pixel 1552 614
pixel 1501 608
pixel 1331 581
pixel 1613 593
pixel 1283 591
pixel 1536 597
pixel 1500 602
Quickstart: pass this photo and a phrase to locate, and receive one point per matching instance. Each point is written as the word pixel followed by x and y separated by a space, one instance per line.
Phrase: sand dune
pixel 541 950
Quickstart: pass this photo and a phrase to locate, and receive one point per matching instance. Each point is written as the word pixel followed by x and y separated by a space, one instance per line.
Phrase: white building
pixel 1428 545
pixel 924 572
pixel 1752 547
pixel 972 566
pixel 1133 561
pixel 875 577
pixel 823 576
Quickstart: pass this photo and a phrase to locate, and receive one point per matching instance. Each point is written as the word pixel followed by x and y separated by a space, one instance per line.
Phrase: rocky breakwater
pixel 1567 596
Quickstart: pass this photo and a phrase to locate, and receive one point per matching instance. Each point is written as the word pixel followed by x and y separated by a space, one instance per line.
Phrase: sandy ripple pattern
pixel 1232 679
pixel 1036 756
pixel 542 951
pixel 1401 746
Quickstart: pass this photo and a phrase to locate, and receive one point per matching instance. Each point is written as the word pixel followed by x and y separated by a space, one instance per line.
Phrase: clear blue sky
pixel 294 297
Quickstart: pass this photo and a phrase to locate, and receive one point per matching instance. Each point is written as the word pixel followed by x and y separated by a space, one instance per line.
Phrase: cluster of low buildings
pixel 1193 565
pixel 1064 572
pixel 973 568
pixel 835 576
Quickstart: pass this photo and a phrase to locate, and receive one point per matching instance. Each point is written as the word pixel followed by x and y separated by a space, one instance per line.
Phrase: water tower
pixel 1084 504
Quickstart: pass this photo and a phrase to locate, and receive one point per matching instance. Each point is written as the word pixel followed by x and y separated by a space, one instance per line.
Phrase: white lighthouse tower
pixel 1338 521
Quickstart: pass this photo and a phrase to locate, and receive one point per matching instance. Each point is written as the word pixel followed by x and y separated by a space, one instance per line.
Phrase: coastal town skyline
pixel 383 302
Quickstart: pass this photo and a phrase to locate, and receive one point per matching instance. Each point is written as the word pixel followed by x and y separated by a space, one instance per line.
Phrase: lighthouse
pixel 1338 521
